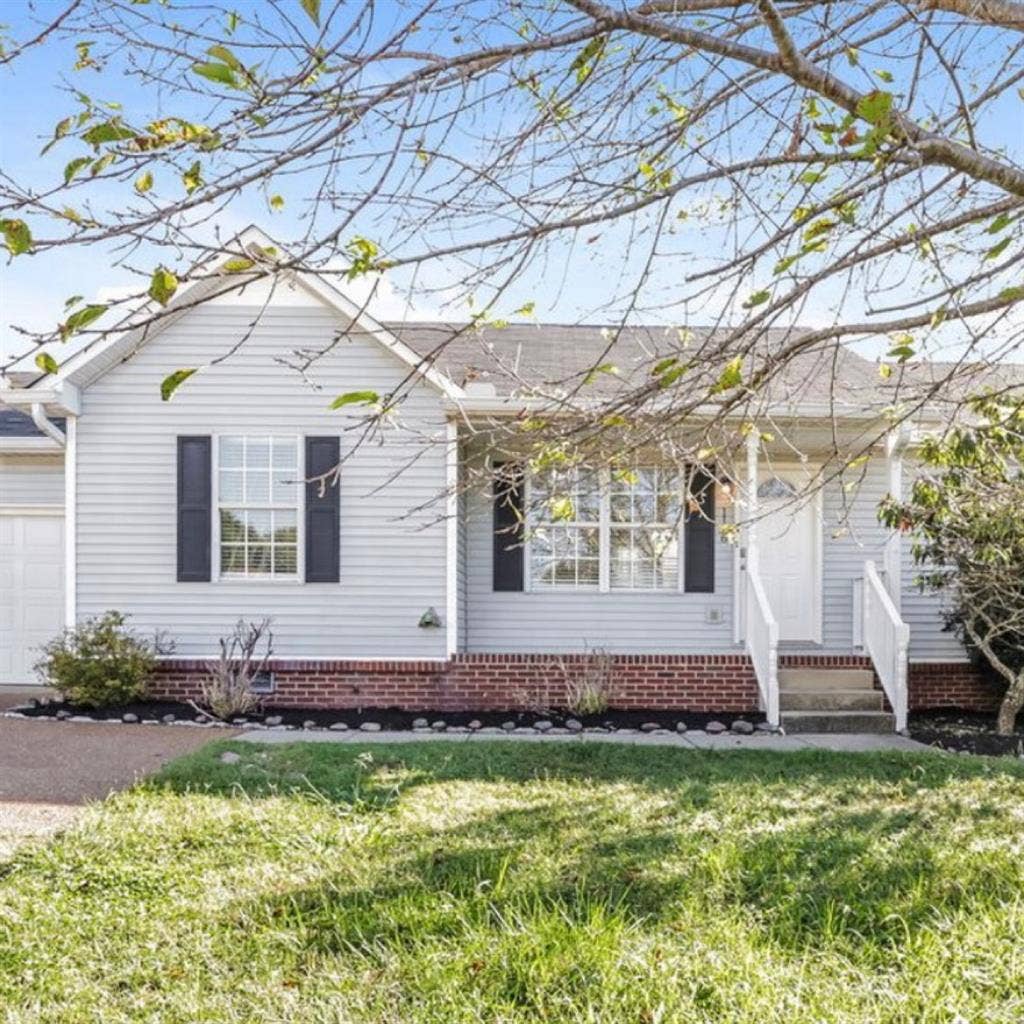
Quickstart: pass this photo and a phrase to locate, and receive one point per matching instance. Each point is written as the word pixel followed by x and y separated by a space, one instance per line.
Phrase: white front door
pixel 31 589
pixel 789 546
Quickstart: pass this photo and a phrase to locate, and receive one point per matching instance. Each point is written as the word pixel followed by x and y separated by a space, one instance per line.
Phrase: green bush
pixel 99 662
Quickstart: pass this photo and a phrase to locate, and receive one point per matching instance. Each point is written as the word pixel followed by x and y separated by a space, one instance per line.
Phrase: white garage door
pixel 31 590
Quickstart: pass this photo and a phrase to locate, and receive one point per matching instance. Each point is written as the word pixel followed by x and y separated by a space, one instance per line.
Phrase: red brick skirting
pixel 479 682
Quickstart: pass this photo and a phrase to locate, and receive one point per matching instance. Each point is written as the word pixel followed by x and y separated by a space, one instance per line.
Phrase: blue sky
pixel 569 285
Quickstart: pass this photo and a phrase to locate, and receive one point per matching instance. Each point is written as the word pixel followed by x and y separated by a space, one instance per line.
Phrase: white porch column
pixel 746 550
pixel 895 445
pixel 451 463
pixel 753 452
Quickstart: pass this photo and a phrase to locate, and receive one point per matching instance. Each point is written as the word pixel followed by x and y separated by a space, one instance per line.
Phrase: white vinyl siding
pixel 392 557
pixel 31 480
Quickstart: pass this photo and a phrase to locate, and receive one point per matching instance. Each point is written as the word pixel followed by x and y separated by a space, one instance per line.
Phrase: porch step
pixel 831 699
pixel 818 679
pixel 838 721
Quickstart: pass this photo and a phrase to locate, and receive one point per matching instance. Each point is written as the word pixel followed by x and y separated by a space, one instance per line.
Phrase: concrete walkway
pixel 686 741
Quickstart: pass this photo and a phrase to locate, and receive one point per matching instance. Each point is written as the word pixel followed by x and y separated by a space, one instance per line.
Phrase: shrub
pixel 589 683
pixel 227 689
pixel 99 662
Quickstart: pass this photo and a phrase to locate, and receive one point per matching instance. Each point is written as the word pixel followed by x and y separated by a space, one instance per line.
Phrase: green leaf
pixel 1004 220
pixel 162 285
pixel 355 398
pixel 1012 294
pixel 731 377
pixel 312 8
pixel 74 167
pixel 561 509
pixel 222 53
pixel 277 202
pixel 108 131
pixel 17 236
pixel 144 182
pixel 885 76
pixel 526 309
pixel 875 107
pixel 595 372
pixel 173 381
pixel 81 319
pixel 785 263
pixel 237 266
pixel 232 21
pixel 884 371
pixel 757 299
pixel 192 178
pixel 220 73
pixel 46 363
pixel 998 248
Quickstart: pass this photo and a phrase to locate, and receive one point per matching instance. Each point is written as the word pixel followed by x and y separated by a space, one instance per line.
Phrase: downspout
pixel 46 425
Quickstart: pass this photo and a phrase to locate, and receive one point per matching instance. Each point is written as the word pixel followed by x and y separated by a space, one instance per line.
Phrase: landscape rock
pixel 339 727
pixel 714 728
pixel 81 718
pixel 742 727
pixel 439 726
pixel 650 727
pixel 766 727
pixel 238 721
pixel 509 726
pixel 574 725
pixel 475 724
pixel 370 727
pixel 309 724
pixel 167 719
pixel 230 757
pixel 129 717
pixel 62 714
pixel 680 727
pixel 273 720
pixel 420 723
pixel 542 726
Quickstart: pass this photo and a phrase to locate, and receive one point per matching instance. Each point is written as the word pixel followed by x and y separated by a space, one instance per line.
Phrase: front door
pixel 789 545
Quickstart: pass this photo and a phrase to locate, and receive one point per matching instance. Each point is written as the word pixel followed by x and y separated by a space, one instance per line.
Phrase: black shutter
pixel 194 509
pixel 508 526
pixel 323 511
pixel 699 534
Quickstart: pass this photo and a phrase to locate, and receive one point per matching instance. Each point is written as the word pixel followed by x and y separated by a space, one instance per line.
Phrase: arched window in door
pixel 775 487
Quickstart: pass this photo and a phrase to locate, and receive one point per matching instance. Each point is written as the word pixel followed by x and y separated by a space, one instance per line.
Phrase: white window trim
pixel 604 547
pixel 300 511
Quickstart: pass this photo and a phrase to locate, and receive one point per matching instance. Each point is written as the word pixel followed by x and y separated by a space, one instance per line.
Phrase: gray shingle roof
pixel 14 423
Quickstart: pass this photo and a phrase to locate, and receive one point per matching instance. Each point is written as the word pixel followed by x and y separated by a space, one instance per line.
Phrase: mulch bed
pixel 964 732
pixel 392 719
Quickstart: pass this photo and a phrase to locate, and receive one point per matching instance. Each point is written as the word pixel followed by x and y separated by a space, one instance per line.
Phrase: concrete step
pixel 831 700
pixel 838 721
pixel 826 679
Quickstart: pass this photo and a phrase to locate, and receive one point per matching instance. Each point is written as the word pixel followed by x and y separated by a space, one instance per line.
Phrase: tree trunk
pixel 1013 699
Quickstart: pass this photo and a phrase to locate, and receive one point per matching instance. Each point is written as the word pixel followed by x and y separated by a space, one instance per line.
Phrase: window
pixel 776 487
pixel 565 531
pixel 613 532
pixel 644 534
pixel 258 506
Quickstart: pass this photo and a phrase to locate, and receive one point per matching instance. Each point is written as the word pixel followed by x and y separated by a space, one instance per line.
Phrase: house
pixel 409 579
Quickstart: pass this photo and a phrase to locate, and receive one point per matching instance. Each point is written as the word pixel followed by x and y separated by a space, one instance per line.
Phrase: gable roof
pixel 93 360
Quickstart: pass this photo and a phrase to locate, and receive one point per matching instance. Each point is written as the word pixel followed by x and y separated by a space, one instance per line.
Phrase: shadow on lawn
pixel 855 861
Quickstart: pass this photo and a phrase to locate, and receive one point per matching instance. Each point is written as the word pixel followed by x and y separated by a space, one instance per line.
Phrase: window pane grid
pixel 258 500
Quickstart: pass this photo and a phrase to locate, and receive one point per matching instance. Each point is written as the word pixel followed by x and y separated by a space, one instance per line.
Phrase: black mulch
pixel 396 719
pixel 967 731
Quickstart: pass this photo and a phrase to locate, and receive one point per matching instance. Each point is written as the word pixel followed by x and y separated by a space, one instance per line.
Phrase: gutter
pixel 47 426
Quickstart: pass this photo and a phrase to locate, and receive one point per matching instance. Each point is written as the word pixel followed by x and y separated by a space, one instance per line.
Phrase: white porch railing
pixel 886 639
pixel 762 635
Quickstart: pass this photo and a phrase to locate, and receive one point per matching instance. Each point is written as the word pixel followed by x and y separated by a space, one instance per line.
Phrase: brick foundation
pixel 481 682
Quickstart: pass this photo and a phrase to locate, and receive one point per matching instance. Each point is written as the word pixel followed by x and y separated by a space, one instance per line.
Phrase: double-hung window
pixel 258 506
pixel 607 531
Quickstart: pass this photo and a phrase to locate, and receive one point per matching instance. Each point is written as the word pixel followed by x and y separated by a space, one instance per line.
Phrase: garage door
pixel 31 590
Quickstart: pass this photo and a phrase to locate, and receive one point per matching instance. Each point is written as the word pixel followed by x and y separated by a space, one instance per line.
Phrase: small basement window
pixel 258 506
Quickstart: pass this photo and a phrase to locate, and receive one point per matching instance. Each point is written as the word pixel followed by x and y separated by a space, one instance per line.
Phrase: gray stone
pixel 475 724
pixel 650 727
pixel 167 719
pixel 420 723
pixel 62 714
pixel 439 726
pixel 542 726
pixel 509 726
pixel 273 720
pixel 339 727
pixel 680 727
pixel 238 721
pixel 458 728
pixel 714 728
pixel 309 724
pixel 370 727
pixel 766 727
pixel 129 717
pixel 574 725
pixel 523 730
pixel 81 718
pixel 490 729
pixel 742 727
pixel 230 757
pixel 597 728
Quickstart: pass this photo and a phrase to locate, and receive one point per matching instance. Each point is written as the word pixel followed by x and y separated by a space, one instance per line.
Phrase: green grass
pixel 452 883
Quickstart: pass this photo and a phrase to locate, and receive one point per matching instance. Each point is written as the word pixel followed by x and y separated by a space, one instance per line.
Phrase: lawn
pixel 450 883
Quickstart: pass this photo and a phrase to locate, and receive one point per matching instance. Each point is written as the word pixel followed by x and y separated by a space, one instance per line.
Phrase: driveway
pixel 49 771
